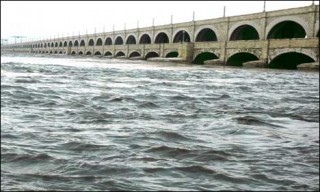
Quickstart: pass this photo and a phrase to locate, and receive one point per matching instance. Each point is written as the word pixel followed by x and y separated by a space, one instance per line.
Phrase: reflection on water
pixel 72 123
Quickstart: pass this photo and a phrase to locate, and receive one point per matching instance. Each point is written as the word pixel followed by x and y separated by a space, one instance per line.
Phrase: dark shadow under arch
pixel 181 36
pixel 239 58
pixel 131 40
pixel 287 30
pixel 145 39
pixel 289 60
pixel 244 32
pixel 151 54
pixel 172 54
pixel 134 54
pixel 99 42
pixel 206 34
pixel 162 38
pixel 108 41
pixel 108 53
pixel 204 56
pixel 97 53
pixel 119 41
pixel 120 54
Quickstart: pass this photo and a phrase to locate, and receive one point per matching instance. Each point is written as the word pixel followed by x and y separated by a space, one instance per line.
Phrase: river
pixel 77 123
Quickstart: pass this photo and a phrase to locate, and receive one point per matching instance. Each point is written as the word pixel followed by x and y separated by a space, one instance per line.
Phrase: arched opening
pixel 60 52
pixel 41 45
pixel 88 53
pixel 82 43
pixel 56 52
pixel 244 32
pixel 318 34
pixel 99 42
pixel 91 42
pixel 145 39
pixel 60 44
pixel 48 44
pixel 206 34
pixel 50 52
pixel 287 30
pixel 70 43
pixel 65 44
pixel 172 54
pixel 73 53
pixel 151 54
pixel 162 38
pixel 97 53
pixel 56 45
pixel 120 54
pixel 80 53
pixel 47 52
pixel 119 41
pixel 52 44
pixel 205 56
pixel 131 40
pixel 45 45
pixel 108 53
pixel 134 54
pixel 108 41
pixel 181 36
pixel 289 60
pixel 76 43
pixel 239 58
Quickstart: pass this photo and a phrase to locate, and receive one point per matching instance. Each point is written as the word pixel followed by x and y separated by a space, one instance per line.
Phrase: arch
pixel 73 53
pixel 41 45
pixel 108 41
pixel 82 43
pixel 56 45
pixel 181 36
pixel 289 60
pixel 239 58
pixel 50 52
pixel 60 52
pixel 99 42
pixel 204 56
pixel 151 54
pixel 120 54
pixel 70 43
pixel 80 53
pixel 162 37
pixel 131 40
pixel 91 42
pixel 76 43
pixel 145 39
pixel 65 44
pixel 56 52
pixel 134 54
pixel 60 44
pixel 88 53
pixel 47 52
pixel 286 29
pixel 206 34
pixel 48 44
pixel 118 41
pixel 244 32
pixel 108 53
pixel 97 52
pixel 172 54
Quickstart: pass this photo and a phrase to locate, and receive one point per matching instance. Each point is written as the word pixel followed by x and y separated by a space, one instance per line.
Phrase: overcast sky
pixel 42 19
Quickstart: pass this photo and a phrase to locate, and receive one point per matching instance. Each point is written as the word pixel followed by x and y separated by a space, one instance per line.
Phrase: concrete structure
pixel 267 38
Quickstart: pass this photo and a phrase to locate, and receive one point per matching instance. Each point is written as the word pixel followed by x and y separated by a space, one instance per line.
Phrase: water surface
pixel 75 123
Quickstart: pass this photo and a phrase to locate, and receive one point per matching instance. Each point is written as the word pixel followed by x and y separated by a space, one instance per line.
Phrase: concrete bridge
pixel 275 39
